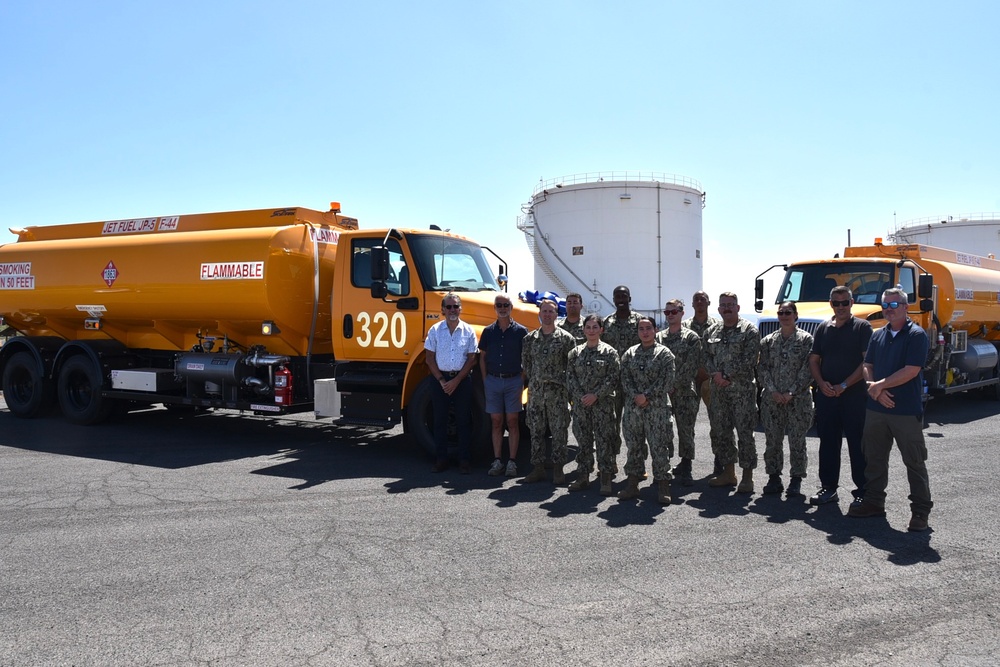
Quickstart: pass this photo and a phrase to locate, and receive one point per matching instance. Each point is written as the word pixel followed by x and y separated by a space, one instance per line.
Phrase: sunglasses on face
pixel 502 305
pixel 891 305
pixel 840 304
pixel 786 312
pixel 672 312
pixel 452 306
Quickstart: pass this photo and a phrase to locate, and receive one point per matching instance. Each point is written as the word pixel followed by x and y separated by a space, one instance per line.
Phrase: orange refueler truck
pixel 954 296
pixel 271 312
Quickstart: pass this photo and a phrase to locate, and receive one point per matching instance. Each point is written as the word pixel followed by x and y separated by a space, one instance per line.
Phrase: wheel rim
pixel 79 391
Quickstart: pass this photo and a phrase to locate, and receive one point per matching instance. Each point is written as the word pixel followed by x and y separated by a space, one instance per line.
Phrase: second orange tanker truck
pixel 269 311
pixel 954 296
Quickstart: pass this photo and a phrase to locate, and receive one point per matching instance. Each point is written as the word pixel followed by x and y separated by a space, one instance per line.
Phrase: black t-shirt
pixel 842 348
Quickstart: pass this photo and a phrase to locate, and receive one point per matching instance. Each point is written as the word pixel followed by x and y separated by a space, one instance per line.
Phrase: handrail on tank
pixel 938 219
pixel 617 176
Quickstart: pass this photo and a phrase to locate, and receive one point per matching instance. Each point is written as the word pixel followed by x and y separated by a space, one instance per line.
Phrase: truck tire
pixel 25 390
pixel 79 392
pixel 420 422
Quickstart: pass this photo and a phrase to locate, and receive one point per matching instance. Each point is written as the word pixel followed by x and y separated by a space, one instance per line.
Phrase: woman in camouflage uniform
pixel 592 377
pixel 786 405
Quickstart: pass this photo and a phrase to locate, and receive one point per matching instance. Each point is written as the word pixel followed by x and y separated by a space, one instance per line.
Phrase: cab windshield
pixel 448 264
pixel 866 280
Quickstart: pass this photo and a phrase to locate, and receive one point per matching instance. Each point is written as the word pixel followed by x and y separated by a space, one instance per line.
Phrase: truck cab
pixel 386 298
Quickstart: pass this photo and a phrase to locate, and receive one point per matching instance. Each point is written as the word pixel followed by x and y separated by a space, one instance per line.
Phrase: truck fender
pixel 42 348
pixel 103 354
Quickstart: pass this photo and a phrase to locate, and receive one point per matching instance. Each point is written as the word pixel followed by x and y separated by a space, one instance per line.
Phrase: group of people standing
pixel 618 377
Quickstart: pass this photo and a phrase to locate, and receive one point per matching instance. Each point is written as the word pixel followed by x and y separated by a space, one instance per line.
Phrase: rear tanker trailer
pixel 271 311
pixel 954 296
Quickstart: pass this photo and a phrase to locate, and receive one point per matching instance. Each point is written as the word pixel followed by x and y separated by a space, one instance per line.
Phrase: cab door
pixel 376 330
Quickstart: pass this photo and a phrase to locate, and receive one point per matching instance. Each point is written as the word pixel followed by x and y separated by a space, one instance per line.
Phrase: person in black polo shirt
pixel 838 352
pixel 500 363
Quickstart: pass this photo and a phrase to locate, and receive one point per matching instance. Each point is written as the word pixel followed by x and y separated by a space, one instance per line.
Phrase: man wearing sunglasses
pixel 451 354
pixel 838 352
pixel 500 363
pixel 893 370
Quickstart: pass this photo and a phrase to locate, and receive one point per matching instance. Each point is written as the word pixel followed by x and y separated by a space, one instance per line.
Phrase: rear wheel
pixel 79 392
pixel 25 390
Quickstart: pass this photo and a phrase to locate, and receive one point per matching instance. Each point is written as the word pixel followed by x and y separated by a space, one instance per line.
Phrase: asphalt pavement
pixel 230 540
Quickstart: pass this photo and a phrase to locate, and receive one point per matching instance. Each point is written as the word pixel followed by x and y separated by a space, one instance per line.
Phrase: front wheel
pixel 79 392
pixel 420 421
pixel 25 389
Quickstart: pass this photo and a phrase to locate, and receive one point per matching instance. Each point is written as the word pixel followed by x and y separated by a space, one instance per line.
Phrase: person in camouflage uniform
pixel 647 378
pixel 731 350
pixel 544 355
pixel 573 323
pixel 620 333
pixel 699 323
pixel 686 347
pixel 592 379
pixel 786 404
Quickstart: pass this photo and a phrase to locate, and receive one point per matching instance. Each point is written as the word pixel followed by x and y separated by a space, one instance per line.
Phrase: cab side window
pixel 361 266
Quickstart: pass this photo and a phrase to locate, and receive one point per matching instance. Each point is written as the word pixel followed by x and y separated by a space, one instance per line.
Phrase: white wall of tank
pixel 974 233
pixel 591 232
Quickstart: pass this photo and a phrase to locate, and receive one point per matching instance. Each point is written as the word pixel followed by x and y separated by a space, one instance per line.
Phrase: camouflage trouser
pixel 595 424
pixel 650 425
pixel 548 409
pixel 734 407
pixel 685 410
pixel 792 419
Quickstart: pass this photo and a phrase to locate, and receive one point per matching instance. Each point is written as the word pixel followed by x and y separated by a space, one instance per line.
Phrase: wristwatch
pixel 843 386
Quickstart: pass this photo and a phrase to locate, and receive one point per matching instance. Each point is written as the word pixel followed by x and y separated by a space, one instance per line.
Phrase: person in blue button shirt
pixel 503 381
pixel 893 370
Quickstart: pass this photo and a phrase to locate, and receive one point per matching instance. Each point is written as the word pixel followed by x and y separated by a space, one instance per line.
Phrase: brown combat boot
pixel 663 495
pixel 746 484
pixel 558 476
pixel 606 484
pixel 631 489
pixel 725 478
pixel 581 483
pixel 537 474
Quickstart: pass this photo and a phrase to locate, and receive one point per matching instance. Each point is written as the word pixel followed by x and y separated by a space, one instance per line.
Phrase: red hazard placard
pixel 110 274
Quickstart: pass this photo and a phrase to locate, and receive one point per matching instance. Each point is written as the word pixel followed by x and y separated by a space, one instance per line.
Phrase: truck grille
pixel 768 325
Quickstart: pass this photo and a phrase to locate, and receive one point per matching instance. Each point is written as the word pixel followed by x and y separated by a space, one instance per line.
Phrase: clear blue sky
pixel 800 119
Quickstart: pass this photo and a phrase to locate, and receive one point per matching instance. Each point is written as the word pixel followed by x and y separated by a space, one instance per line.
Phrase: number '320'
pixel 380 330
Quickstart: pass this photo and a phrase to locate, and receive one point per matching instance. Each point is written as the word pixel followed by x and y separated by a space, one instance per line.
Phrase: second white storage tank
pixel 590 232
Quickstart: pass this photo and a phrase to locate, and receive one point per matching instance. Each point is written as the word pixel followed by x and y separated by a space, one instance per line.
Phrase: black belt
pixel 504 376
pixel 450 374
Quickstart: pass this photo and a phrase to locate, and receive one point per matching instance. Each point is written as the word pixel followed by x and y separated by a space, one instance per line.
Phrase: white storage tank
pixel 590 232
pixel 974 233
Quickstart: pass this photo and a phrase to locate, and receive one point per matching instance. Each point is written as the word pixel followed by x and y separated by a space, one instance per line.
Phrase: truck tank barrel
pixel 156 290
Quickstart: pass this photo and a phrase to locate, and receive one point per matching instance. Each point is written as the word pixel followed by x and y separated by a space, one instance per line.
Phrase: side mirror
pixel 379 290
pixel 925 286
pixel 380 263
pixel 758 293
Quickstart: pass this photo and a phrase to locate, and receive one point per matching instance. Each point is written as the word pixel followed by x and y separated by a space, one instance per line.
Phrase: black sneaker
pixel 918 522
pixel 824 496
